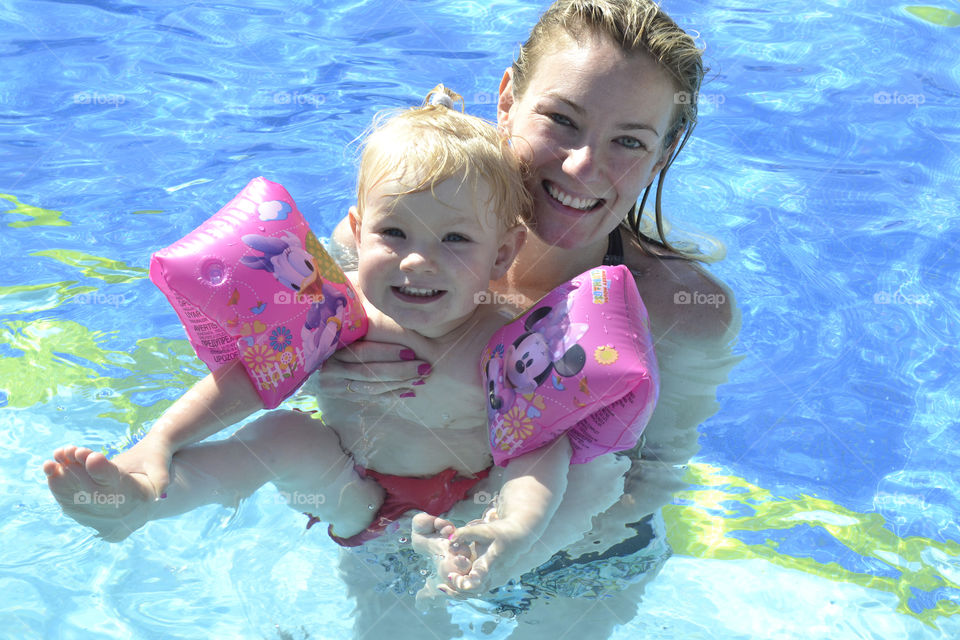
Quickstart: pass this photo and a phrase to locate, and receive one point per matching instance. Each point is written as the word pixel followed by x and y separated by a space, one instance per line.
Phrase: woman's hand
pixel 372 369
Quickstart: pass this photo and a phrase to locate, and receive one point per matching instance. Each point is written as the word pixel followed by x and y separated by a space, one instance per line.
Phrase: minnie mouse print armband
pixel 253 283
pixel 580 362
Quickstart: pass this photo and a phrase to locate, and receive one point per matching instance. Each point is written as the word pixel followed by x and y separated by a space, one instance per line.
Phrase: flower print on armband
pixel 606 354
pixel 287 360
pixel 262 365
pixel 517 425
pixel 259 355
pixel 287 363
pixel 281 338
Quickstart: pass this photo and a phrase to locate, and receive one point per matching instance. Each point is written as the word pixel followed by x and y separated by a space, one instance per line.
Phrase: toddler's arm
pixel 534 484
pixel 216 402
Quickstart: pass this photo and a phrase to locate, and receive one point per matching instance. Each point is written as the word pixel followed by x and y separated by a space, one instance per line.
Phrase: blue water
pixel 824 499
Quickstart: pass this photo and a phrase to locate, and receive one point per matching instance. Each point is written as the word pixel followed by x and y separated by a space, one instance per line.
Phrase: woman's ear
pixel 510 244
pixel 664 157
pixel 505 98
pixel 354 216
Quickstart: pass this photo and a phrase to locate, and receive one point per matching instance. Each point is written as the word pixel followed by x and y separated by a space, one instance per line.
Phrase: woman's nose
pixel 582 161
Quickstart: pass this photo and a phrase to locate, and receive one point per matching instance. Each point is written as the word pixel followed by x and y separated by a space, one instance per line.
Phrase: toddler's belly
pixel 390 444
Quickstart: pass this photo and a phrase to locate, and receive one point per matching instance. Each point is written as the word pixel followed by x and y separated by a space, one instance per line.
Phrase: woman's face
pixel 590 125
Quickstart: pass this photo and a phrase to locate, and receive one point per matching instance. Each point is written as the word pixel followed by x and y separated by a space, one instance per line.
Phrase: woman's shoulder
pixel 683 298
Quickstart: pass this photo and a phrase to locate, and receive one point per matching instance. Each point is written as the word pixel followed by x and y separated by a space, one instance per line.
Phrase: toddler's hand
pixel 471 559
pixel 496 546
pixel 431 539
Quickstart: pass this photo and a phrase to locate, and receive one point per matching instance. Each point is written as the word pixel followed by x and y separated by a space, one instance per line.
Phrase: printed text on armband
pixel 217 342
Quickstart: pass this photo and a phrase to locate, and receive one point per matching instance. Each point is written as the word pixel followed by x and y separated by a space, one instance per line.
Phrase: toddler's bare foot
pixel 96 493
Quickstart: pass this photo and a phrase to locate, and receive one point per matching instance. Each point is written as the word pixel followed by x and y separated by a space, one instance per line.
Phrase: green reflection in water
pixel 59 359
pixel 701 529
pixel 36 216
pixel 936 15
pixel 33 298
pixel 53 360
pixel 106 269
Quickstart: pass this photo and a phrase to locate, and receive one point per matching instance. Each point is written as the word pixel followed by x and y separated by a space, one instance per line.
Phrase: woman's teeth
pixel 414 291
pixel 568 200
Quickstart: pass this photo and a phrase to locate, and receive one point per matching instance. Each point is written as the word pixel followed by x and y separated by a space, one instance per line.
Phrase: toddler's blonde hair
pixel 424 146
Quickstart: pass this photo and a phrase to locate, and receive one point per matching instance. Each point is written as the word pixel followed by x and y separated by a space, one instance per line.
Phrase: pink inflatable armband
pixel 253 283
pixel 579 362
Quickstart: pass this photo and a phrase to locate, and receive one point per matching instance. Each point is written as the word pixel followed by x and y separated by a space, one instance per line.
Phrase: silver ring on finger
pixel 350 389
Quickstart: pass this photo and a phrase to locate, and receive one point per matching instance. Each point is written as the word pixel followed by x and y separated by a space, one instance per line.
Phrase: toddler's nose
pixel 418 261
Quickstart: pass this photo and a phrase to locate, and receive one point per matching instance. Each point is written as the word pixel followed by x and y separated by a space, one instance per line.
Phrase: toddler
pixel 439 214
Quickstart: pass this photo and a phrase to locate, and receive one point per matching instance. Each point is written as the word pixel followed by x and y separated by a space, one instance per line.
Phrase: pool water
pixel 823 502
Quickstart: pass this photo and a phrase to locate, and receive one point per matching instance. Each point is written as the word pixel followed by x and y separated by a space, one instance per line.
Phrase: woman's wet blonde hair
pixel 424 146
pixel 636 26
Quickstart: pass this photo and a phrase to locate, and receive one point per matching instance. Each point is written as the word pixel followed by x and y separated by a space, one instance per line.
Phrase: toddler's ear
pixel 511 241
pixel 354 217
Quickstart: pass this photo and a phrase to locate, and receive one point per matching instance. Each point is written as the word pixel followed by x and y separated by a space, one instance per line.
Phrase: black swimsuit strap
pixel 614 249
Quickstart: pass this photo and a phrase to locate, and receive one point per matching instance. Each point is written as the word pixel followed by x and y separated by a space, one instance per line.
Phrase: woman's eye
pixel 561 119
pixel 455 237
pixel 632 143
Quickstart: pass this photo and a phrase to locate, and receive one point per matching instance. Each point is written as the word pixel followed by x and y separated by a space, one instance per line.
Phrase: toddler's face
pixel 425 258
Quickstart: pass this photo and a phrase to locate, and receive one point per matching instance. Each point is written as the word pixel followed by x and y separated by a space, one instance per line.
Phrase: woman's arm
pixel 695 321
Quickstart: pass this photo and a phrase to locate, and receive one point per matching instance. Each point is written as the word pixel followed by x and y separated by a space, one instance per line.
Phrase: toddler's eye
pixel 455 237
pixel 393 232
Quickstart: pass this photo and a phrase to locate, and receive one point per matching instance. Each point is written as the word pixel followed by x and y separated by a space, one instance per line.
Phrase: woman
pixel 598 103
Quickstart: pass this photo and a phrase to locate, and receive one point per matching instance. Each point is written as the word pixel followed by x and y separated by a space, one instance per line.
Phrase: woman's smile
pixel 570 201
